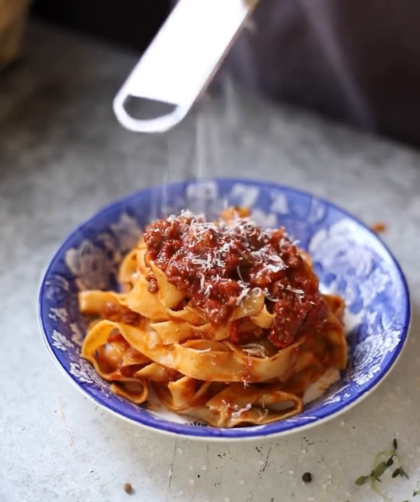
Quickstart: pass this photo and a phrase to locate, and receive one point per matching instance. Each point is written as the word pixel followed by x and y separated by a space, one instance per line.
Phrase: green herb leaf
pixel 403 473
pixel 379 470
pixel 416 492
pixel 361 480
pixel 396 473
pixel 395 444
pixel 389 462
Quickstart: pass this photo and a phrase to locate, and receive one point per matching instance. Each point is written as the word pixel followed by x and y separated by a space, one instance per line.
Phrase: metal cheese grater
pixel 182 59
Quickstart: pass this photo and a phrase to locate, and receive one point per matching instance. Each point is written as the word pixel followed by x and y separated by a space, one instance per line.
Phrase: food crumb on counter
pixel 128 488
pixel 378 227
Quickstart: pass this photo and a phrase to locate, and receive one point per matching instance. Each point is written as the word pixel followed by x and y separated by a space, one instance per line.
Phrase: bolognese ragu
pixel 223 320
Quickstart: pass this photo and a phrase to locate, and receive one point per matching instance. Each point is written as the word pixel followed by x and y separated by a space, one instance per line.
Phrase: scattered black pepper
pixel 128 488
pixel 307 477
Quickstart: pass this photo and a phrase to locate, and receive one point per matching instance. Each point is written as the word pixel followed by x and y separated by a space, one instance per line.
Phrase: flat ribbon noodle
pixel 181 394
pixel 96 302
pixel 155 373
pixel 145 303
pixel 231 213
pixel 111 359
pixel 171 332
pixel 263 319
pixel 187 314
pixel 336 305
pixel 251 305
pixel 217 364
pixel 136 392
pixel 169 296
pixel 237 405
pixel 334 332
pixel 304 360
pixel 109 305
pixel 222 365
pixel 127 271
pixel 217 333
pixel 186 392
pixel 306 257
pixel 301 380
pixel 141 262
pixel 132 357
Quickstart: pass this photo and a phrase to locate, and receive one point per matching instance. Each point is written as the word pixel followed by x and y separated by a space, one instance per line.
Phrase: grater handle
pixel 182 59
pixel 149 126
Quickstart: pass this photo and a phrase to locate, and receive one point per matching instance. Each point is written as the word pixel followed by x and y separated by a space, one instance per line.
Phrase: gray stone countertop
pixel 63 156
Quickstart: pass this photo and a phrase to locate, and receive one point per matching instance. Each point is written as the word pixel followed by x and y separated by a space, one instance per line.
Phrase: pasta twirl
pixel 223 321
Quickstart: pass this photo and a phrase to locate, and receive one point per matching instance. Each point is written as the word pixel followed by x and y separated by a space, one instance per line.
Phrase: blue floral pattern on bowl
pixel 349 259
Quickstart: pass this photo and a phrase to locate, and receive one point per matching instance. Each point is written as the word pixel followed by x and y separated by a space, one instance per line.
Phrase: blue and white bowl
pixel 349 259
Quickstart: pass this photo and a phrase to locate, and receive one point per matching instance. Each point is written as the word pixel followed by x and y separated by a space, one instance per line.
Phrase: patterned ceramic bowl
pixel 349 259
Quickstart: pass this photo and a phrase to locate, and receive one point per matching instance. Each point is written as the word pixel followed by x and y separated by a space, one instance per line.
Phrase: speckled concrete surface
pixel 62 156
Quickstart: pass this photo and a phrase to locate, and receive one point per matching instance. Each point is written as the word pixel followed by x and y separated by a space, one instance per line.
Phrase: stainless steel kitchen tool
pixel 181 61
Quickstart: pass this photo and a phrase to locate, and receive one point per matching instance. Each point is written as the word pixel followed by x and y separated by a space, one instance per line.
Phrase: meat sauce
pixel 217 264
pixel 117 313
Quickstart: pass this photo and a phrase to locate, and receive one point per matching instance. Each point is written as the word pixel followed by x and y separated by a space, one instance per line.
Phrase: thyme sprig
pixel 383 460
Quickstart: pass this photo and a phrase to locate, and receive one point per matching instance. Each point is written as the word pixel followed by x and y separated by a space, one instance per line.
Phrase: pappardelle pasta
pixel 223 321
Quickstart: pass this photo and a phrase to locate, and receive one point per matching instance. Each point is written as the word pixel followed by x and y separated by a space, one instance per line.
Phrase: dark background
pixel 380 40
pixel 128 23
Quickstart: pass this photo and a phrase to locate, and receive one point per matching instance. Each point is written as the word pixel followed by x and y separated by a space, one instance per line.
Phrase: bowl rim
pixel 210 433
